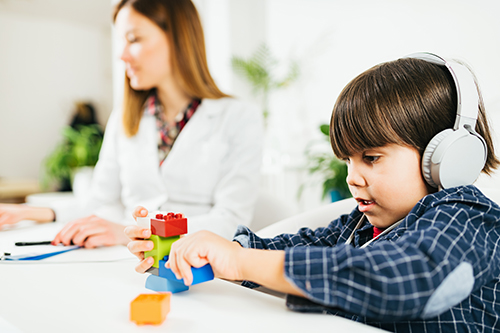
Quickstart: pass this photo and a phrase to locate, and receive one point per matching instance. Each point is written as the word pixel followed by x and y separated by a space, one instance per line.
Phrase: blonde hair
pixel 406 102
pixel 180 21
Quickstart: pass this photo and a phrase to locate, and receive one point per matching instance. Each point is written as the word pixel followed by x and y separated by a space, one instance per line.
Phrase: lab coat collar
pixel 212 107
pixel 197 130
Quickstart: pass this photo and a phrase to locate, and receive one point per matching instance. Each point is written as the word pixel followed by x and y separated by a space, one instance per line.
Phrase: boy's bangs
pixel 359 121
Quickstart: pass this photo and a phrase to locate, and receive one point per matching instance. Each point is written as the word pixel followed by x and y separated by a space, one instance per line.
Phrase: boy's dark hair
pixel 407 102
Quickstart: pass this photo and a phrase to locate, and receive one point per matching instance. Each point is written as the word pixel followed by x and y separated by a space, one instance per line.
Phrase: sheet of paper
pixel 31 232
pixel 38 252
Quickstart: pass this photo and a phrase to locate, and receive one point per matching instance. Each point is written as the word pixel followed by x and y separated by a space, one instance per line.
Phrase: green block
pixel 161 247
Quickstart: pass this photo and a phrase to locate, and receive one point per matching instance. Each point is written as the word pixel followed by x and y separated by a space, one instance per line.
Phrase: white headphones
pixel 455 156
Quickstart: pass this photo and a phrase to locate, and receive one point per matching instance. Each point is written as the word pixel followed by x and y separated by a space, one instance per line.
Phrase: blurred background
pixel 57 53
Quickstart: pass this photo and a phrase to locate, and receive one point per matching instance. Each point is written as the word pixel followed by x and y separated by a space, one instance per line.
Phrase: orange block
pixel 150 308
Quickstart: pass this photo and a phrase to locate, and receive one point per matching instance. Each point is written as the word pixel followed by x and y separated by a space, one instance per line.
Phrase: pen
pixel 33 243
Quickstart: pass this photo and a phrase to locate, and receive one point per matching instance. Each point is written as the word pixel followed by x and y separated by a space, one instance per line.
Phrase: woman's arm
pixel 13 213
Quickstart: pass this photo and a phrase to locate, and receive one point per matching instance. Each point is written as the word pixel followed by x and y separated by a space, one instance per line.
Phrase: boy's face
pixel 387 182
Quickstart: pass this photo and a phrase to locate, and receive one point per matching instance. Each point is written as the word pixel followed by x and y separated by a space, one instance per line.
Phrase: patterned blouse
pixel 167 134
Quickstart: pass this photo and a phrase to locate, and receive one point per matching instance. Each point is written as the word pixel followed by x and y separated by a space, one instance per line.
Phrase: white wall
pixel 46 64
pixel 336 40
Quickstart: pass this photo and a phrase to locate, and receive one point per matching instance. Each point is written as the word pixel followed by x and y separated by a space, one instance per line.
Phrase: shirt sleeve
pixel 236 191
pixel 305 237
pixel 327 236
pixel 421 273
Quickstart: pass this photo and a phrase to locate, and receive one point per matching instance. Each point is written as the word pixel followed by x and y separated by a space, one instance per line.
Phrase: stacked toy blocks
pixel 165 230
pixel 150 308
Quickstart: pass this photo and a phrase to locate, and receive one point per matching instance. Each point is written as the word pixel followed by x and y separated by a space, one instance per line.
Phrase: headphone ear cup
pixel 454 158
pixel 427 165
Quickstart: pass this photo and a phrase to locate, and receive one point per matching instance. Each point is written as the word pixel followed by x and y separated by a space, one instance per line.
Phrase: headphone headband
pixel 465 84
pixel 455 156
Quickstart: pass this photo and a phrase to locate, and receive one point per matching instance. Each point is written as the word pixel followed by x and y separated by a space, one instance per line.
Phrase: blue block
pixel 202 274
pixel 176 287
pixel 160 284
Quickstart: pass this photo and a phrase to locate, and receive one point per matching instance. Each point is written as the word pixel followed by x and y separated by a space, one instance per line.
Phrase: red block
pixel 169 225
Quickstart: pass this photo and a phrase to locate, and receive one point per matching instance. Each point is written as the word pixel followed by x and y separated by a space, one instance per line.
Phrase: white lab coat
pixel 211 175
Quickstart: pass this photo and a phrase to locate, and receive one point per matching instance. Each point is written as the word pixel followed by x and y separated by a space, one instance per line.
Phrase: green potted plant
pixel 333 172
pixel 259 70
pixel 79 148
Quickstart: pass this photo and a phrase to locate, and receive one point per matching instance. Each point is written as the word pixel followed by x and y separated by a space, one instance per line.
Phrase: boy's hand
pixel 138 244
pixel 201 248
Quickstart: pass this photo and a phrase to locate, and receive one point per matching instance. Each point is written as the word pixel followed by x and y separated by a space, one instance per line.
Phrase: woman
pixel 177 144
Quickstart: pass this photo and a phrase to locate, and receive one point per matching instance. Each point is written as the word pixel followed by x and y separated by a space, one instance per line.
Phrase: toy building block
pixel 161 247
pixel 144 222
pixel 169 225
pixel 201 274
pixel 157 283
pixel 153 271
pixel 150 308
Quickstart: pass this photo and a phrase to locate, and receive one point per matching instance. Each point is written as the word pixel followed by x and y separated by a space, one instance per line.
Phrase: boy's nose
pixel 354 177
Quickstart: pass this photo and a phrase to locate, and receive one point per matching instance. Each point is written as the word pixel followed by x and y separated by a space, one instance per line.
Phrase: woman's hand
pixel 90 232
pixel 204 247
pixel 12 213
pixel 138 244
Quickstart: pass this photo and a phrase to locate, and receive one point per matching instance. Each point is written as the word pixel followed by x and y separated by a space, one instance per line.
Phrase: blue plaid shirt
pixel 437 271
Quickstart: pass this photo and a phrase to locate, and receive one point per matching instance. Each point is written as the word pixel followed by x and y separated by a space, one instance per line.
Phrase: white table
pixel 80 291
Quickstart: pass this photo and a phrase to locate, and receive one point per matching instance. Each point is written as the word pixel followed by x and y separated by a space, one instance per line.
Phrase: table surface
pixel 91 291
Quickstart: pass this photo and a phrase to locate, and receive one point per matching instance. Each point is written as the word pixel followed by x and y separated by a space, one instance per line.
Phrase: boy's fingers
pixel 195 260
pixel 135 232
pixel 140 211
pixel 172 263
pixel 144 265
pixel 185 272
pixel 140 246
